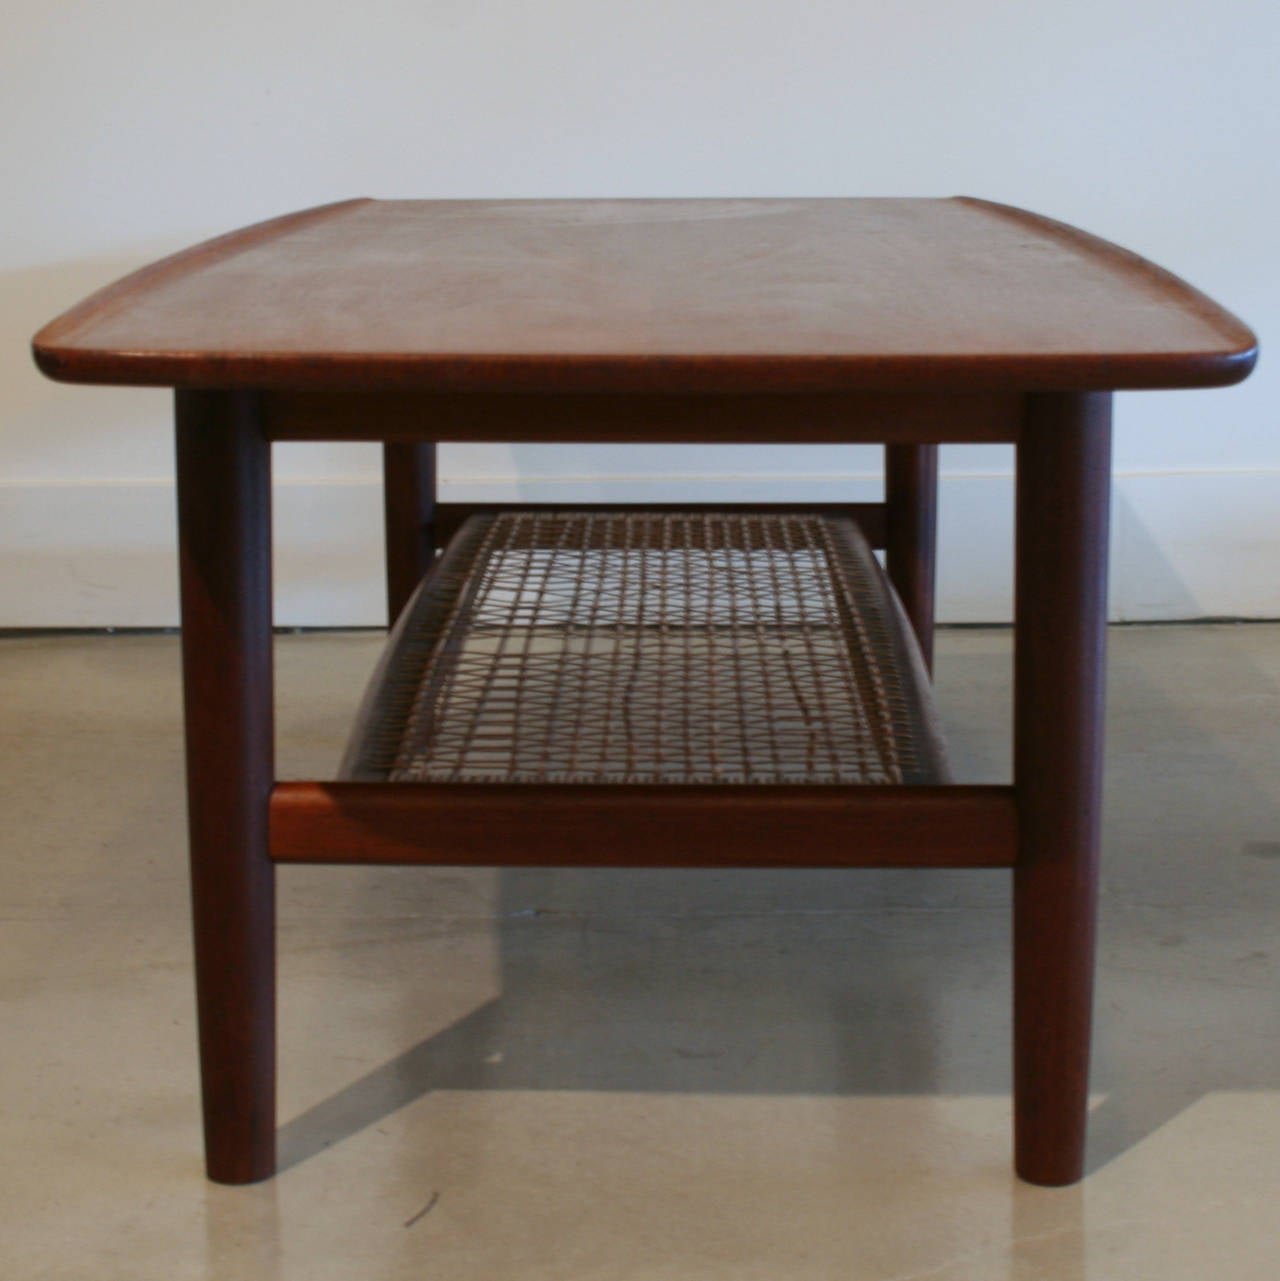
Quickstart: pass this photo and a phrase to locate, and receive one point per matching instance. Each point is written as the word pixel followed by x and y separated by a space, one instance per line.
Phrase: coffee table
pixel 905 322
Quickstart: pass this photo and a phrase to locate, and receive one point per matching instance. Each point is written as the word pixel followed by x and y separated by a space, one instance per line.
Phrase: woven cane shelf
pixel 651 647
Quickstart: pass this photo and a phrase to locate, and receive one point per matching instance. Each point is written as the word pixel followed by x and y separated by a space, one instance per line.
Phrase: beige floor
pixel 630 1074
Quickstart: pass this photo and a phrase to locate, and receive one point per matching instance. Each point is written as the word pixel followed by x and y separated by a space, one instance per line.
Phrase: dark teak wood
pixel 1061 612
pixel 409 502
pixel 904 322
pixel 911 500
pixel 224 536
pixel 791 418
pixel 625 825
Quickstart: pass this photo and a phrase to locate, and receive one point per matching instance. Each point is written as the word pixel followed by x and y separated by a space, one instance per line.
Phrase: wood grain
pixel 911 501
pixel 674 295
pixel 224 527
pixel 1063 490
pixel 639 825
pixel 787 418
pixel 408 512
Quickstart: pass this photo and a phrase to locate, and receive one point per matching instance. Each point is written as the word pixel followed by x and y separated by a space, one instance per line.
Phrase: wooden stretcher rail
pixel 870 517
pixel 638 825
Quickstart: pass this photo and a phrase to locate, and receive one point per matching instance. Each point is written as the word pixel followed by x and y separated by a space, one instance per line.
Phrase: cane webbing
pixel 652 647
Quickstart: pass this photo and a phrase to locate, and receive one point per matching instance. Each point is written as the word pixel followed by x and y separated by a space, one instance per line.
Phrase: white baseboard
pixel 1184 545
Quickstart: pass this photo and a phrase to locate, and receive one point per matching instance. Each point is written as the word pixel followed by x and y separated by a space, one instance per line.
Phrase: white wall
pixel 132 128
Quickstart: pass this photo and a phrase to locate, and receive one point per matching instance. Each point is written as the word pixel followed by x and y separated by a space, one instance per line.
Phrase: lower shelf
pixel 651 647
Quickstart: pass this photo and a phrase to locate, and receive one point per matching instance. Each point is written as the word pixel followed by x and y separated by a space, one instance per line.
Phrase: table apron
pixel 811 418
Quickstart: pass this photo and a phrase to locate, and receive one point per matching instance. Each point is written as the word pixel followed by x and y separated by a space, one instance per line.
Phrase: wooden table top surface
pixel 652 295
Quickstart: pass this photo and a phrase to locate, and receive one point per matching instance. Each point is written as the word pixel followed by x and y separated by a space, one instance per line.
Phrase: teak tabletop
pixel 659 295
pixel 900 321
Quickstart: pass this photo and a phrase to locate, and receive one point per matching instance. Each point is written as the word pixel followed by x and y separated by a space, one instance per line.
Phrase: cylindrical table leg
pixel 409 500
pixel 911 500
pixel 1063 492
pixel 224 527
